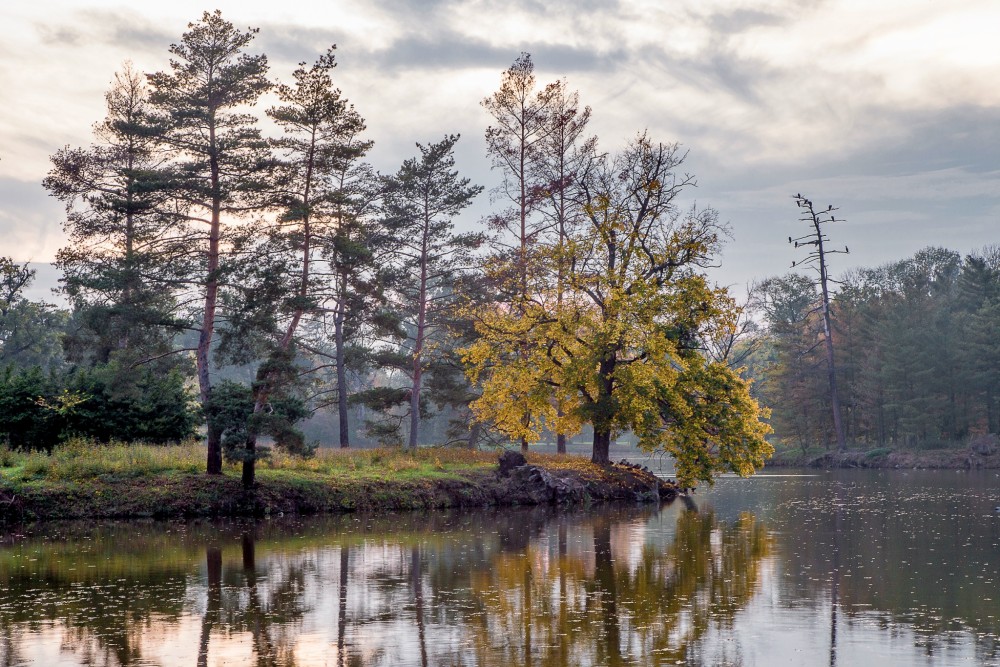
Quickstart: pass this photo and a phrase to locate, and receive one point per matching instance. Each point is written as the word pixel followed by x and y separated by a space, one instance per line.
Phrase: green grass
pixel 80 460
pixel 87 479
pixel 380 463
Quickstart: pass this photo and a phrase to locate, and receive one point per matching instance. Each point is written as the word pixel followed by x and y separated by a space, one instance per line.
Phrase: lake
pixel 789 568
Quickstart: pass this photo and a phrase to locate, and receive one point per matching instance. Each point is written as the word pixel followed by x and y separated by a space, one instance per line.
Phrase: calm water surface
pixel 845 568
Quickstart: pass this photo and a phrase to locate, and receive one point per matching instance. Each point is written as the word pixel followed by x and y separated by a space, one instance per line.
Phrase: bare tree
pixel 817 260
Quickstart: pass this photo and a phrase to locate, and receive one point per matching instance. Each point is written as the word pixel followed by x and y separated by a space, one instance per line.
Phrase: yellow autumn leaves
pixel 615 341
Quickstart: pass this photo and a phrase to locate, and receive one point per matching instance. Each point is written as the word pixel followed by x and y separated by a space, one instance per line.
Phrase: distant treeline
pixel 917 352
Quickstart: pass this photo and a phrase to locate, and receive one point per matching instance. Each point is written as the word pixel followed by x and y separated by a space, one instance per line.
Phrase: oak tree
pixel 621 350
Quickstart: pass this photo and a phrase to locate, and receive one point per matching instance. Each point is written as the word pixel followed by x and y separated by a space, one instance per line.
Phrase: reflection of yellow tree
pixel 529 587
pixel 708 574
pixel 651 609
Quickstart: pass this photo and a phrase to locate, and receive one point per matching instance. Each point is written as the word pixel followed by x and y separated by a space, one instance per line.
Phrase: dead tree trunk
pixel 817 258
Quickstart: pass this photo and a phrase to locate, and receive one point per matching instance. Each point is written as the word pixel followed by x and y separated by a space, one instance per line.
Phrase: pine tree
pixel 562 157
pixel 127 256
pixel 285 279
pixel 421 202
pixel 221 164
pixel 523 123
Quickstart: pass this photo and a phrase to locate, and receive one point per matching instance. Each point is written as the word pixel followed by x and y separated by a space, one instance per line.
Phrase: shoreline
pixel 187 494
pixel 964 458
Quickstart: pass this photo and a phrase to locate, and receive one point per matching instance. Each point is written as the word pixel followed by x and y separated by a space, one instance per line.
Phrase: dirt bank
pixel 178 494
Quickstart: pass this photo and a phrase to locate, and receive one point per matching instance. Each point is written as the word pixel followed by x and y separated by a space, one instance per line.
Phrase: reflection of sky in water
pixel 883 568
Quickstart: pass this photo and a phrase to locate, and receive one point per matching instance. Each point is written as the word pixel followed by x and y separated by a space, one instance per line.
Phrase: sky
pixel 888 110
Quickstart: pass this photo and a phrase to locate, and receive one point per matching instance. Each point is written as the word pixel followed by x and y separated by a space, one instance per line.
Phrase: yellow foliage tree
pixel 621 349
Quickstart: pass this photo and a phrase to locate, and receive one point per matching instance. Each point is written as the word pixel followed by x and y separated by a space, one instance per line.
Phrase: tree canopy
pixel 620 350
pixel 269 264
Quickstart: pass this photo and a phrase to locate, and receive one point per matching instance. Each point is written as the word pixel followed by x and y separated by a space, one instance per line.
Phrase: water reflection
pixel 819 574
pixel 522 587
pixel 895 567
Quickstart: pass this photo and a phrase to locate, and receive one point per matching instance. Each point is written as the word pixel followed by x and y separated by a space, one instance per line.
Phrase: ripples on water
pixel 849 568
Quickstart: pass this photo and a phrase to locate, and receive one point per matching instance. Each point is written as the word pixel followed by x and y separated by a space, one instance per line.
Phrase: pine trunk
pixel 214 440
pixel 418 346
pixel 250 463
pixel 342 416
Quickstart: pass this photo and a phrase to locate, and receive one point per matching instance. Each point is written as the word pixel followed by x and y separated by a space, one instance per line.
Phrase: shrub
pixel 25 423
pixel 40 410
pixel 878 453
pixel 231 411
pixel 148 406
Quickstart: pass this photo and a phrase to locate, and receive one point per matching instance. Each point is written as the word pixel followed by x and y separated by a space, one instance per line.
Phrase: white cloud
pixel 882 107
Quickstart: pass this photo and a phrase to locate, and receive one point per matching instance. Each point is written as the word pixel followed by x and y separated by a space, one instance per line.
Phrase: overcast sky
pixel 889 110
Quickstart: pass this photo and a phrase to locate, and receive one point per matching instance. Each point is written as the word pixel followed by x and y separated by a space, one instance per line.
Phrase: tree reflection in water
pixel 213 572
pixel 854 573
pixel 623 601
pixel 515 587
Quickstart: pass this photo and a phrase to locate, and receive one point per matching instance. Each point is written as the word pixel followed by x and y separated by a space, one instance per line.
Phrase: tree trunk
pixel 418 343
pixel 604 572
pixel 474 430
pixel 214 444
pixel 213 567
pixel 342 417
pixel 267 381
pixel 828 334
pixel 250 463
pixel 415 404
pixel 838 425
pixel 345 556
pixel 213 438
pixel 418 597
pixel 560 437
pixel 602 446
pixel 524 440
pixel 602 426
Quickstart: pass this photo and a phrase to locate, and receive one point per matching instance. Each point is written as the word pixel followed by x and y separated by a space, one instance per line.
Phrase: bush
pixel 231 412
pixel 147 406
pixel 40 410
pixel 878 453
pixel 25 423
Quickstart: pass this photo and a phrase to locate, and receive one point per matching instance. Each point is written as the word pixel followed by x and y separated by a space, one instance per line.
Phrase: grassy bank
pixel 121 480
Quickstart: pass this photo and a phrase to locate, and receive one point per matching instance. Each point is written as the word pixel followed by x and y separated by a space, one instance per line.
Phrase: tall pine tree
pixel 221 163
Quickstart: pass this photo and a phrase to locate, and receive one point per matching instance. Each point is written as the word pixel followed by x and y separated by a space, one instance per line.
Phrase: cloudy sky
pixel 888 109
